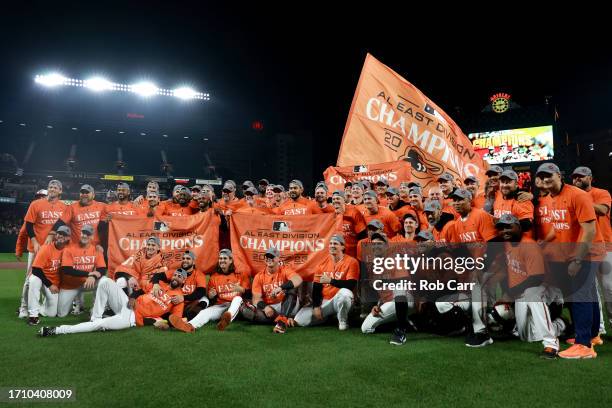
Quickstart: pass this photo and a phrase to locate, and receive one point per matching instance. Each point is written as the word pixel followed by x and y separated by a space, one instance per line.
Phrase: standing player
pixel 373 211
pixel 438 222
pixel 226 289
pixel 353 223
pixel 178 206
pixel 582 178
pixel 123 205
pixel 357 190
pixel 415 198
pixel 321 198
pixel 45 275
pixel 381 187
pixel 472 185
pixel 574 221
pixel 507 202
pixel 296 204
pixel 251 206
pixel 396 205
pixel 332 292
pixel 274 294
pixel 139 309
pixel 39 220
pixel 82 265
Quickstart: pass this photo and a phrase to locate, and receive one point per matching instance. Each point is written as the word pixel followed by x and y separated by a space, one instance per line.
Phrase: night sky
pixel 296 69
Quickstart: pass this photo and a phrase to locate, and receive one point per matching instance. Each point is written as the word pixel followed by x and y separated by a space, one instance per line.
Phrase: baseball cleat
pixel 178 323
pixel 398 338
pixel 578 351
pixel 549 353
pixel 46 331
pixel 343 326
pixel 478 340
pixel 280 328
pixel 33 321
pixel 225 320
pixel 22 314
pixel 161 324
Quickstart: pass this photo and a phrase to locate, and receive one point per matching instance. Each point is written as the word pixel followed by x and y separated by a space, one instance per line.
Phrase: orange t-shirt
pixel 173 209
pixel 129 209
pixel 477 227
pixel 43 214
pixel 301 206
pixel 353 224
pixel 142 268
pixel 400 212
pixel 520 210
pixel 571 207
pixel 233 205
pixel 601 196
pixel 254 210
pixel 23 241
pixel 479 201
pixel 264 283
pixel 77 215
pixel 444 234
pixel 346 269
pixel 194 280
pixel 157 306
pixel 49 259
pixel 387 217
pixel 222 284
pixel 523 260
pixel 401 238
pixel 543 217
pixel 85 259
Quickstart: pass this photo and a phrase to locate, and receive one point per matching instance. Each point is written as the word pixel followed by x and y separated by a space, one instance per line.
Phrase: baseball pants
pixel 23 307
pixel 605 288
pixel 339 305
pixel 533 321
pixel 216 311
pixel 387 313
pixel 66 297
pixel 35 286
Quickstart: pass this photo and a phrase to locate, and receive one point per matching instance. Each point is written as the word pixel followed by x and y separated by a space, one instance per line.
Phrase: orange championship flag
pixel 390 119
pixel 198 233
pixel 301 239
pixel 394 172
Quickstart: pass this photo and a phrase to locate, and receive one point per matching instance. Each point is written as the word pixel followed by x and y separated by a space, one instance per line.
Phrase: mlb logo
pixel 360 169
pixel 281 226
pixel 161 226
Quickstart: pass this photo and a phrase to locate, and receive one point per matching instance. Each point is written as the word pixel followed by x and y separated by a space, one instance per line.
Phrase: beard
pixel 174 284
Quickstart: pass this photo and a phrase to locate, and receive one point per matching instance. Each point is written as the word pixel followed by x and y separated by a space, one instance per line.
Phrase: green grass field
pixel 248 366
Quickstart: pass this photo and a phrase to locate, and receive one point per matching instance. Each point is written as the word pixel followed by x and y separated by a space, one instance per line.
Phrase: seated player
pixel 226 289
pixel 332 291
pixel 274 294
pixel 45 271
pixel 136 271
pixel 137 310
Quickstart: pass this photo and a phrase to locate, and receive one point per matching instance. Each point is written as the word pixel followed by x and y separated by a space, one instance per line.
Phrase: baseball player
pixel 178 205
pixel 357 190
pixel 152 204
pixel 415 199
pixel 381 187
pixel 332 292
pixel 410 226
pixel 253 204
pixel 472 185
pixel 137 270
pixel 274 294
pixel 507 202
pixel 46 276
pixel 123 205
pixel 226 289
pixel 348 187
pixel 39 220
pixel 353 223
pixel 582 177
pixel 396 205
pixel 321 198
pixel 262 187
pixel 296 204
pixel 81 267
pixel 574 221
pixel 228 202
pixel 139 309
pixel 525 275
pixel 142 202
pixel 438 222
pixel 373 211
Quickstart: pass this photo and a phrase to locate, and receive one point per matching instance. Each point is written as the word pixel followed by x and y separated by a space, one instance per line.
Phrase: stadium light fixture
pixel 99 84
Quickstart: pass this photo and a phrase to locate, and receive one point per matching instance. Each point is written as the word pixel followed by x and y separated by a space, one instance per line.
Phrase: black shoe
pixel 108 312
pixel 46 331
pixel 33 321
pixel 549 353
pixel 478 340
pixel 398 338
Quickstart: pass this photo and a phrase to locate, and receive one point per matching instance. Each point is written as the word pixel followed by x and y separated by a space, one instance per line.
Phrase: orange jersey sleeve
pixel 22 241
pixel 49 259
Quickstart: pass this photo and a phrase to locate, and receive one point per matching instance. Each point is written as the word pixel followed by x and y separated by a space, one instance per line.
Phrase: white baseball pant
pixel 387 313
pixel 23 307
pixel 216 311
pixel 533 321
pixel 35 286
pixel 339 305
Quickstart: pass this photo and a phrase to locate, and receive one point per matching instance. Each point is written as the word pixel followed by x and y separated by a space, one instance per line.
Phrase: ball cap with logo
pixel 272 253
pixel 86 188
pixel 461 193
pixel 87 229
pixel 154 240
pixel 494 171
pixel 507 219
pixel 63 230
pixel 548 168
pixel 446 177
pixel 376 224
pixel 338 238
pixel 509 174
pixel 582 171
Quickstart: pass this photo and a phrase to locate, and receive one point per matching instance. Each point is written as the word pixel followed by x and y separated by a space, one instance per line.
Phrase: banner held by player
pixel 393 172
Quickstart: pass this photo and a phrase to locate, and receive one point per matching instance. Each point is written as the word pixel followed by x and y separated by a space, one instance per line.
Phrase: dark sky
pixel 296 69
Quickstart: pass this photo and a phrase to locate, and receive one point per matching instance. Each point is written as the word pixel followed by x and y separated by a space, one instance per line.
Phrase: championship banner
pixel 301 239
pixel 390 119
pixel 198 233
pixel 394 172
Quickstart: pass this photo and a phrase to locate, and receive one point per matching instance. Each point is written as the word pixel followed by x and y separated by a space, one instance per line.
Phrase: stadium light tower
pixel 98 84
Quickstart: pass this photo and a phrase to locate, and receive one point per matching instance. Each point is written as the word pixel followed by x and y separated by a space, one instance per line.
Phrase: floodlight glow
pixel 98 84
pixel 50 80
pixel 144 88
pixel 184 93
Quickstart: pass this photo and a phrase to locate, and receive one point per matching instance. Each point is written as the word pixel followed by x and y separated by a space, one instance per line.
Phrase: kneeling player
pixel 274 294
pixel 226 287
pixel 332 291
pixel 136 310
pixel 525 265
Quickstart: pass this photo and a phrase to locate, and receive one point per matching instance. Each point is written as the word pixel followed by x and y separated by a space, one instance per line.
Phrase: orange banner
pixel 198 233
pixel 394 172
pixel 301 239
pixel 390 119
